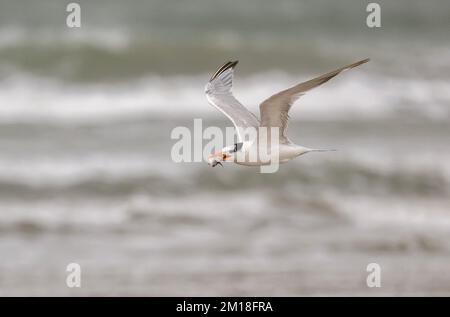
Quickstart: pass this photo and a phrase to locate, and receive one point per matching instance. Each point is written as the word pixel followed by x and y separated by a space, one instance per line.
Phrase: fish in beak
pixel 217 159
pixel 214 163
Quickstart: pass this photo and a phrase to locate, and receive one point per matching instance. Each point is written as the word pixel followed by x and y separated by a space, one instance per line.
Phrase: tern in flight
pixel 274 114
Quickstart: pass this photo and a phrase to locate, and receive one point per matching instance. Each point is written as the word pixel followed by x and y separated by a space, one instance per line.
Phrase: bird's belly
pixel 285 154
pixel 259 163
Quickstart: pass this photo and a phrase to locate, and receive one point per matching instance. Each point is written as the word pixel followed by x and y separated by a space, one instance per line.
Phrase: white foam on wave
pixel 64 211
pixel 44 171
pixel 408 212
pixel 111 39
pixel 356 95
pixel 52 214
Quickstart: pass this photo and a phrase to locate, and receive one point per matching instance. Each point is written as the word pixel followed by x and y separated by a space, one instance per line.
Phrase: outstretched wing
pixel 274 110
pixel 218 92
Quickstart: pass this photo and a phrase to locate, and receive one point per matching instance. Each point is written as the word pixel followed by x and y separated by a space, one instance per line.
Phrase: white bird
pixel 274 114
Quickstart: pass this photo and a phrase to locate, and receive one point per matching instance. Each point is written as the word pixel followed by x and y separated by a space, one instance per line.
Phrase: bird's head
pixel 227 154
pixel 217 158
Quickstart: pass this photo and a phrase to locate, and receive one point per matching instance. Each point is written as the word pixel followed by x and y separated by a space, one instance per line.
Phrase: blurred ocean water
pixel 86 174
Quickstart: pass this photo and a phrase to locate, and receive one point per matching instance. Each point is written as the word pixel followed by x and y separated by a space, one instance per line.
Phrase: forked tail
pixel 321 150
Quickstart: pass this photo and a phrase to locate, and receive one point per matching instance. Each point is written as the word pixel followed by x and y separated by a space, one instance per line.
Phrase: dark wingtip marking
pixel 233 64
pixel 220 70
pixel 223 68
pixel 365 60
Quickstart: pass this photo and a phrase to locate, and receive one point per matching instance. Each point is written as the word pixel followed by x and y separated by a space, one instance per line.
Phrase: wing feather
pixel 274 110
pixel 218 93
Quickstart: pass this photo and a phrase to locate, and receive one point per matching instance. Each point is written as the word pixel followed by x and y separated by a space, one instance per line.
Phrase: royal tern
pixel 274 114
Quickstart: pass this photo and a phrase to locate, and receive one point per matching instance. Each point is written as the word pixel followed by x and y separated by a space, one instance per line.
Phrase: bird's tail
pixel 321 150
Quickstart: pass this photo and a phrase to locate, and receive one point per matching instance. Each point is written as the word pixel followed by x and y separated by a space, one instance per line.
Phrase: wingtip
pixel 363 61
pixel 224 67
